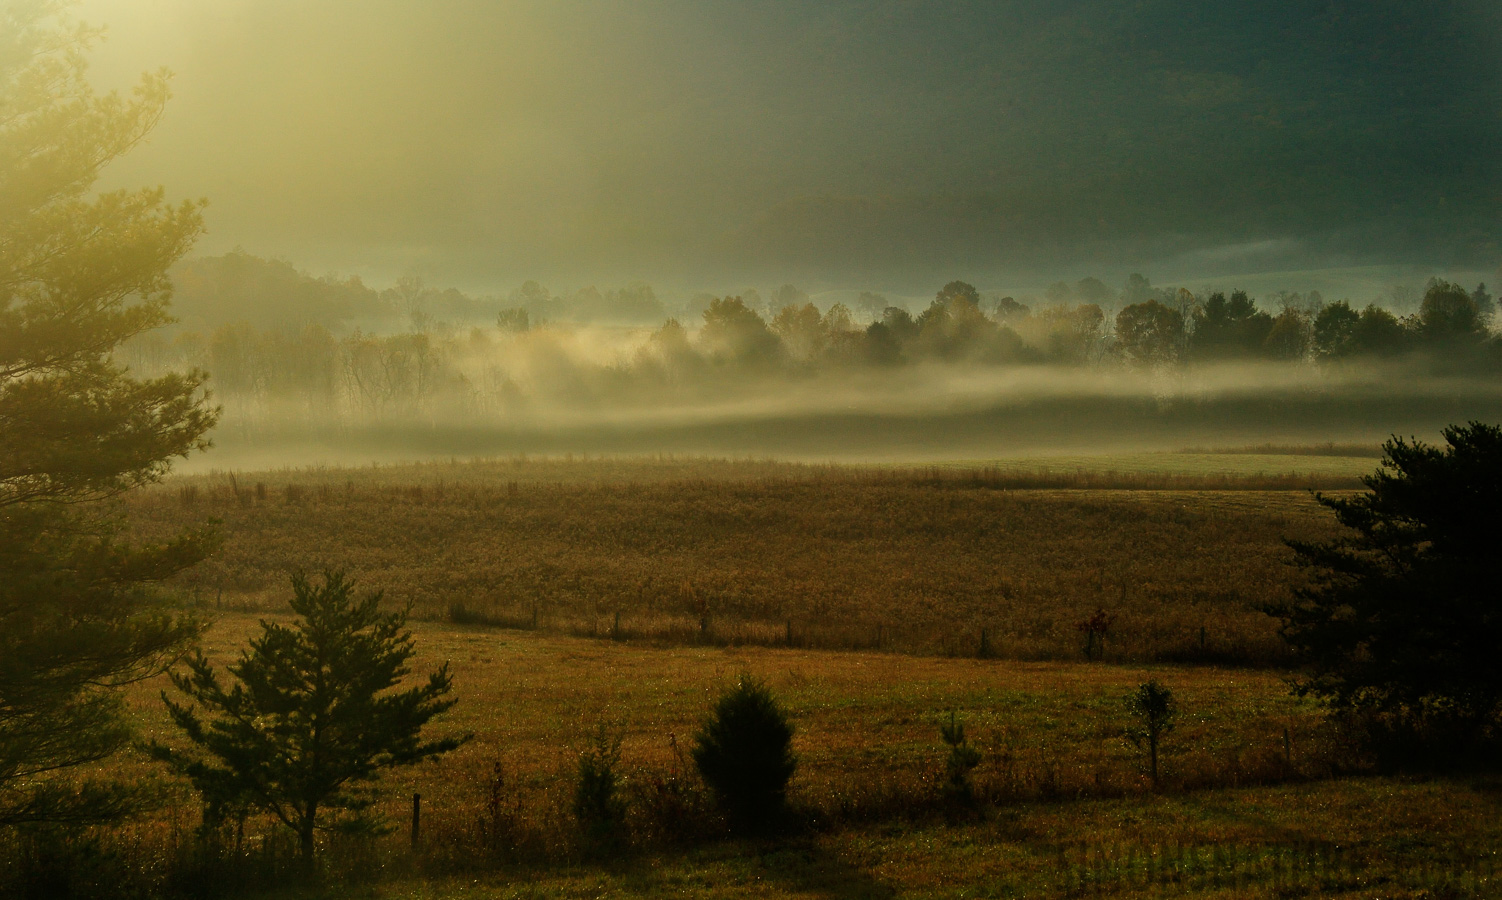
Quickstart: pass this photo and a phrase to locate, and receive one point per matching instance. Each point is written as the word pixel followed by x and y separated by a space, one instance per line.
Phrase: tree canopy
pixel 79 274
pixel 1402 619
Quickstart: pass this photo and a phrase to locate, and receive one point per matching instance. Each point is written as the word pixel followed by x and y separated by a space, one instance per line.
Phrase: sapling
pixel 1153 707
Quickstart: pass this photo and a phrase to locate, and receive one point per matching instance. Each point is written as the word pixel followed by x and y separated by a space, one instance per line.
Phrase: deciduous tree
pixel 1150 332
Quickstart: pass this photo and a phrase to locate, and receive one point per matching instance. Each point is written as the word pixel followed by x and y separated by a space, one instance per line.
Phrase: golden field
pixel 693 551
pixel 1071 808
pixel 567 595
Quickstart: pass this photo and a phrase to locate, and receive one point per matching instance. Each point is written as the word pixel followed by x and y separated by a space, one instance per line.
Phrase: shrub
pixel 744 753
pixel 962 758
pixel 598 806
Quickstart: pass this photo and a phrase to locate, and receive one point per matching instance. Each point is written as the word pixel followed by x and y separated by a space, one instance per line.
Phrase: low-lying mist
pixel 309 397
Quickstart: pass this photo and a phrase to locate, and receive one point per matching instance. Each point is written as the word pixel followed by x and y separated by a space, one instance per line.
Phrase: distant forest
pixel 267 332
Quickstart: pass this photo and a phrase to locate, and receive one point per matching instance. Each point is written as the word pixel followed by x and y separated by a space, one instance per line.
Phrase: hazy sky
pixel 832 143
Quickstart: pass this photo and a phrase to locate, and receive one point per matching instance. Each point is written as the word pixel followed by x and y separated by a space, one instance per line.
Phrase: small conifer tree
pixel 312 719
pixel 962 759
pixel 598 805
pixel 744 752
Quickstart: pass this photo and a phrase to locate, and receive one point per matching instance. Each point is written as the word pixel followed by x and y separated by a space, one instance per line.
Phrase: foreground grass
pixel 1250 805
pixel 1360 837
pixel 866 727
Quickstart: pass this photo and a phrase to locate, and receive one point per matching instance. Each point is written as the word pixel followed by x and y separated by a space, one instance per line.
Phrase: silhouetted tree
pixel 881 346
pixel 900 323
pixel 953 327
pixel 1401 618
pixel 1289 336
pixel 1093 290
pixel 514 320
pixel 870 305
pixel 1149 332
pixel 1448 315
pixel 802 330
pixel 598 806
pixel 1153 708
pixel 1137 290
pixel 80 275
pixel 1486 306
pixel 1068 335
pixel 1229 327
pixel 744 750
pixel 787 295
pixel 1009 312
pixel 1379 332
pixel 958 763
pixel 670 351
pixel 733 332
pixel 1334 332
pixel 311 722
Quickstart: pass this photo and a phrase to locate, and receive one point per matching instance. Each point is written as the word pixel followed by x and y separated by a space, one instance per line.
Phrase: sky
pixel 835 144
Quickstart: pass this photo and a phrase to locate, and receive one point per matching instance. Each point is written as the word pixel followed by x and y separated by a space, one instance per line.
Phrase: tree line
pixel 321 371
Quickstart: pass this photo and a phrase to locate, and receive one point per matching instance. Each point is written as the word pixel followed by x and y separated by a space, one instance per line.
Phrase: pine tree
pixel 1400 622
pixel 79 275
pixel 744 751
pixel 312 720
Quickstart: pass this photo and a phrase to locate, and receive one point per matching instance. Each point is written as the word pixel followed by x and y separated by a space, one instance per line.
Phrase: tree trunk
pixel 305 842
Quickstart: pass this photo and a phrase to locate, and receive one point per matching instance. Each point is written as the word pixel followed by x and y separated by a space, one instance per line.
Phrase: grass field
pixel 1242 813
pixel 687 551
pixel 569 594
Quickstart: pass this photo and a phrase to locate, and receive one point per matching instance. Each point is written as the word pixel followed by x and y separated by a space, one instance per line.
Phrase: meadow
pixel 571 595
pixel 991 559
pixel 1258 797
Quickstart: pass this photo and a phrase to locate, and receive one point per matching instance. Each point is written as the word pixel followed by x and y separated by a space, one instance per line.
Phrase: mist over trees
pixel 279 342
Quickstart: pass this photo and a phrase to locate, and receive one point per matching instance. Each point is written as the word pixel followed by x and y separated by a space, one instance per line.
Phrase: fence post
pixel 416 819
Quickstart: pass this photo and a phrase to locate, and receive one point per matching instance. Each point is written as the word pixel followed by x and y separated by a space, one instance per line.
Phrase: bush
pixel 744 753
pixel 962 758
pixel 598 807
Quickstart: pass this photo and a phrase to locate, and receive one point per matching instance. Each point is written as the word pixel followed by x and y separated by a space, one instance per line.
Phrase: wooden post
pixel 416 819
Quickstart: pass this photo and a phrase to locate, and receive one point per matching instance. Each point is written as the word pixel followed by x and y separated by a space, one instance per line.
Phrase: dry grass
pixel 1074 808
pixel 699 569
pixel 757 552
pixel 867 724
